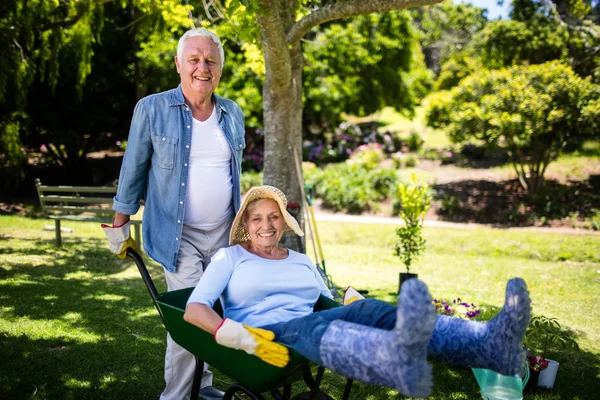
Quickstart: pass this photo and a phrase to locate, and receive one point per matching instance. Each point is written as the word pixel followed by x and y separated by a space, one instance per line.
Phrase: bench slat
pixel 85 218
pixel 76 199
pixel 80 209
pixel 76 189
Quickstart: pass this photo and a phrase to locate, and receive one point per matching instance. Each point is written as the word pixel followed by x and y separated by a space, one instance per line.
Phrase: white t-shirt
pixel 209 185
pixel 257 291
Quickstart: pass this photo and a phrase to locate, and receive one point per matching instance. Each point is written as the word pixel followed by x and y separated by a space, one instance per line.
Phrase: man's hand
pixel 119 238
pixel 351 295
pixel 256 341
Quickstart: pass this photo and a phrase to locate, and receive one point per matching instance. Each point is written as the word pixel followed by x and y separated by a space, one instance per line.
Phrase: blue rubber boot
pixel 496 344
pixel 394 358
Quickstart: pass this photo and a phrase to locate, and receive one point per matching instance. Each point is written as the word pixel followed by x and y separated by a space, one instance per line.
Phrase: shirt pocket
pixel 165 148
pixel 239 144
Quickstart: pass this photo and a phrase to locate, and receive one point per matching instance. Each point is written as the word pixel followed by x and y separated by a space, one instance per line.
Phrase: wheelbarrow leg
pixel 197 378
pixel 347 389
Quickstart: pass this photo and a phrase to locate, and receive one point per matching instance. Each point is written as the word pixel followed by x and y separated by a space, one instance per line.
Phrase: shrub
pixel 411 160
pixel 531 111
pixel 367 156
pixel 593 222
pixel 351 187
pixel 324 146
pixel 415 142
pixel 250 179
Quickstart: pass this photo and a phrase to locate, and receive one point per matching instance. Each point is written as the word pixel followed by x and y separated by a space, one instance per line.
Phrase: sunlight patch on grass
pixel 143 313
pixel 76 383
pixel 21 280
pixel 105 297
pixel 72 317
pixel 79 275
pixel 45 329
pixel 107 380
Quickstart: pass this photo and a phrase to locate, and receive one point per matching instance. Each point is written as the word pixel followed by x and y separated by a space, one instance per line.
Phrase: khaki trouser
pixel 195 252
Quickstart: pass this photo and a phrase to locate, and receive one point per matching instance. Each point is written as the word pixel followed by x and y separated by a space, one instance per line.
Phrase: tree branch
pixel 554 11
pixel 63 23
pixel 349 9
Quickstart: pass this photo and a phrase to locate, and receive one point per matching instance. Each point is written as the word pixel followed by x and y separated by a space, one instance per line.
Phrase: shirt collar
pixel 177 99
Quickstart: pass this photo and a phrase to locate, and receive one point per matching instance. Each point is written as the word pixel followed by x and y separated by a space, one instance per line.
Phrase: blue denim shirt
pixel 155 167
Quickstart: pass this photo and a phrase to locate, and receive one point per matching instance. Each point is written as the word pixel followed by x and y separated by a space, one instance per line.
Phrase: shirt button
pixel 181 202
pixel 176 238
pixel 164 139
pixel 188 127
pixel 183 184
pixel 185 165
pixel 240 146
pixel 178 221
pixel 187 146
pixel 187 109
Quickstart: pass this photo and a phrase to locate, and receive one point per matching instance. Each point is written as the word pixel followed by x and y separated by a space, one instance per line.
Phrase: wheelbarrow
pixel 253 376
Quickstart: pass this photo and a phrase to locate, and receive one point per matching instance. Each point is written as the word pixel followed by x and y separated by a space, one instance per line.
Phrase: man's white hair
pixel 201 32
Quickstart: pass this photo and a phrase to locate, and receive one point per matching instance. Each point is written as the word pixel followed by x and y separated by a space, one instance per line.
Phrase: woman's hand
pixel 256 341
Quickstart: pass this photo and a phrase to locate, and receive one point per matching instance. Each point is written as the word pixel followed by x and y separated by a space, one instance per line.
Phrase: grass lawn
pixel 76 323
pixel 393 121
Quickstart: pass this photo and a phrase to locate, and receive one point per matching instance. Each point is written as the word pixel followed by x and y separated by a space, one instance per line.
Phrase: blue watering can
pixel 494 386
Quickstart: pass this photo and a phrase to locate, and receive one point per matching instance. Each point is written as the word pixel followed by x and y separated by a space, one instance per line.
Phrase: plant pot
pixel 531 385
pixel 548 375
pixel 404 276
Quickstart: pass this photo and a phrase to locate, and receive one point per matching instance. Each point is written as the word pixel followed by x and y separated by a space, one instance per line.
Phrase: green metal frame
pixel 253 376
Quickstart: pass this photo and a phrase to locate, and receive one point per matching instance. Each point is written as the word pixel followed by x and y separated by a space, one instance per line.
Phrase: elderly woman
pixel 264 285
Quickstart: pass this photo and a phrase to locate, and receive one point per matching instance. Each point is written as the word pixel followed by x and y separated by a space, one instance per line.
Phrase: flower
pixel 459 308
pixel 537 363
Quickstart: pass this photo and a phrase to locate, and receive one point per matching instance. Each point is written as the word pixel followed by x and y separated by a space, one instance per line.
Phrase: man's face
pixel 199 66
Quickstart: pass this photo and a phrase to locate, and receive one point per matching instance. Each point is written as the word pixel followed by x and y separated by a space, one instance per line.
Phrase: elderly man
pixel 183 158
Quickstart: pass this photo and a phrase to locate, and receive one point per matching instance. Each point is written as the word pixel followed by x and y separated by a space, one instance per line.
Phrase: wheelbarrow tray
pixel 245 369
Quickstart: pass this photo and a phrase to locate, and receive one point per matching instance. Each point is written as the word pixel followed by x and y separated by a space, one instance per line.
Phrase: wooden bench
pixel 80 203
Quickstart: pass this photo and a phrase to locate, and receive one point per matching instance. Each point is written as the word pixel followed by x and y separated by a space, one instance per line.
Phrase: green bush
pixel 411 160
pixel 415 142
pixel 351 187
pixel 594 221
pixel 367 156
pixel 250 179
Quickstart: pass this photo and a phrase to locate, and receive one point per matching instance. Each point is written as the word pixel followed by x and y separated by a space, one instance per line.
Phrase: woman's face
pixel 264 223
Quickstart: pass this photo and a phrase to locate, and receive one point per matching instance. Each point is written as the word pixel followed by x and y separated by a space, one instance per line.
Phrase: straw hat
pixel 239 234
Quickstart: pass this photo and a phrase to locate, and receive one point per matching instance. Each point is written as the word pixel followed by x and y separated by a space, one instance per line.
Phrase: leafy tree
pixel 72 70
pixel 531 111
pixel 540 31
pixel 33 36
pixel 446 30
pixel 283 25
pixel 358 68
pixel 458 67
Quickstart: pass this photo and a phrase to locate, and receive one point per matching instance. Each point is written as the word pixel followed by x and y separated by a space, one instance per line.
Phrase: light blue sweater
pixel 258 291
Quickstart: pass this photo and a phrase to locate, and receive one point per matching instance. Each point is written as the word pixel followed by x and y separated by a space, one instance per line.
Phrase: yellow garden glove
pixel 351 295
pixel 256 341
pixel 119 239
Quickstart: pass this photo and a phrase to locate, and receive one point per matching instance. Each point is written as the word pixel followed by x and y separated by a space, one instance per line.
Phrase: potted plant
pixel 412 202
pixel 544 332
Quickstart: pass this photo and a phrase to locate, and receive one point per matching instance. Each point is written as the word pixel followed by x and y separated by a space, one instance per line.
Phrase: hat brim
pixel 238 232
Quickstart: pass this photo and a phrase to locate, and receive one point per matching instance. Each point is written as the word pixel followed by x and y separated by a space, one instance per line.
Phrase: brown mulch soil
pixel 504 203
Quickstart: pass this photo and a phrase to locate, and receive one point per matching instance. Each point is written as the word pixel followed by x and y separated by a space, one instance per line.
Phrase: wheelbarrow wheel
pixel 307 396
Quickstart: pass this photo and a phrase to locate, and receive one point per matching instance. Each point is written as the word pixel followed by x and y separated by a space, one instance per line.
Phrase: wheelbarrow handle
pixel 131 253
